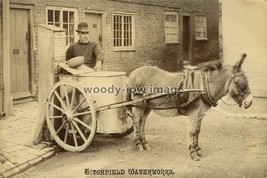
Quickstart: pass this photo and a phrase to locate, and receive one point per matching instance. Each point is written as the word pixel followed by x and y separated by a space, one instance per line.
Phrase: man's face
pixel 84 37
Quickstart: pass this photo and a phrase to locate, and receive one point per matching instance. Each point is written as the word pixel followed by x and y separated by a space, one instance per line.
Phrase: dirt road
pixel 233 147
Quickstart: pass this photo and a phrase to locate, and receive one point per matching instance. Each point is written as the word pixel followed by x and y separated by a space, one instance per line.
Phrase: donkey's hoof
pixel 194 156
pixel 140 148
pixel 147 147
pixel 200 153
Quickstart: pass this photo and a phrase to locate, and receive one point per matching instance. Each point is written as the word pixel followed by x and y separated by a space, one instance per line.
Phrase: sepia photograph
pixel 133 88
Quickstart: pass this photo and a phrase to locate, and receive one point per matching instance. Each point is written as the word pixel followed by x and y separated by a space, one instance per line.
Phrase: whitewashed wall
pixel 244 28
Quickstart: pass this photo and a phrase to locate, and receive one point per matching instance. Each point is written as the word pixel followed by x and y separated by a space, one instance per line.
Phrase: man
pixel 91 51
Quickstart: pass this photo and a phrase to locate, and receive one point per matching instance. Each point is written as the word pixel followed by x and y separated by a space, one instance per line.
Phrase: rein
pixel 227 103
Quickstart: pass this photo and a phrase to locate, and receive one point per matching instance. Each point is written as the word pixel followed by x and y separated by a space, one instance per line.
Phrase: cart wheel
pixel 123 134
pixel 70 116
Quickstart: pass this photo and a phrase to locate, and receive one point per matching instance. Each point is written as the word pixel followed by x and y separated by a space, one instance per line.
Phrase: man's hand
pixel 98 67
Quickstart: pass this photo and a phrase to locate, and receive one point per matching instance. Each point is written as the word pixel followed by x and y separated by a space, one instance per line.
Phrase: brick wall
pixel 207 50
pixel 150 48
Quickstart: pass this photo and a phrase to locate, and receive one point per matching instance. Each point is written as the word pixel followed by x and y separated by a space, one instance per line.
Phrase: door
pixel 186 39
pixel 94 23
pixel 19 53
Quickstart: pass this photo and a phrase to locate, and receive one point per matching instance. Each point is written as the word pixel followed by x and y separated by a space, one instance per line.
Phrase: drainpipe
pixel 2 113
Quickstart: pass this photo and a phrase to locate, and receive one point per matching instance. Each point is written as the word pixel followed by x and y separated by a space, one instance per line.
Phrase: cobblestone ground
pixel 16 140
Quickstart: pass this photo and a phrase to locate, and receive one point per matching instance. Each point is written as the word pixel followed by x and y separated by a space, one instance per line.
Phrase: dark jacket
pixel 91 51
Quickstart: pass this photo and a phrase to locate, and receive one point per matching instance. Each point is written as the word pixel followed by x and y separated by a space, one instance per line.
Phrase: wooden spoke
pixel 84 124
pixel 60 100
pixel 66 133
pixel 61 127
pixel 81 102
pixel 74 135
pixel 66 96
pixel 82 113
pixel 72 97
pixel 55 117
pixel 79 130
pixel 55 106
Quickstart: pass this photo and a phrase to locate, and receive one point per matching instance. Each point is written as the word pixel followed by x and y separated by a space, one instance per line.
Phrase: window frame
pixel 206 27
pixel 61 22
pixel 123 47
pixel 176 27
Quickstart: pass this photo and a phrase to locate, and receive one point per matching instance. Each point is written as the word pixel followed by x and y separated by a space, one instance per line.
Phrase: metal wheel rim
pixel 71 118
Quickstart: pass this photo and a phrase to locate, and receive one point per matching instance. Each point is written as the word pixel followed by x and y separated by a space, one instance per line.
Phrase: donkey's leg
pixel 194 126
pixel 198 129
pixel 142 129
pixel 193 137
pixel 193 134
pixel 137 116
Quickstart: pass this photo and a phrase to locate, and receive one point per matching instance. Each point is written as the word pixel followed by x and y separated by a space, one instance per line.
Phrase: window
pixel 201 27
pixel 171 27
pixel 64 18
pixel 123 31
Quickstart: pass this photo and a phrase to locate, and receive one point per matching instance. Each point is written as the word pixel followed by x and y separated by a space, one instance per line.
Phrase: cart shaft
pixel 135 101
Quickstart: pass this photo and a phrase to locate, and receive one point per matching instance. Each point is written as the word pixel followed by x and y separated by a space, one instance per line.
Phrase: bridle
pixel 208 99
pixel 241 95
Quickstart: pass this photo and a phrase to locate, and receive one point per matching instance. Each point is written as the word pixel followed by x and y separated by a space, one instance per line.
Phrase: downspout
pixel 2 112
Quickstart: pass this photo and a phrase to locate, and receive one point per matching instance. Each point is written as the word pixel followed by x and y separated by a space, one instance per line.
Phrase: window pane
pixel 71 39
pixel 173 18
pixel 71 29
pixel 65 16
pixel 57 16
pixel 167 18
pixel 50 16
pixel 65 26
pixel 71 17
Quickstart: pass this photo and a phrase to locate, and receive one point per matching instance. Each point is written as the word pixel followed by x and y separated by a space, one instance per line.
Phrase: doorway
pixel 186 39
pixel 95 27
pixel 20 60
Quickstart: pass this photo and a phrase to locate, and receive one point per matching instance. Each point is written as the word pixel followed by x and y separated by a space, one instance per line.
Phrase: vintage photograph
pixel 133 88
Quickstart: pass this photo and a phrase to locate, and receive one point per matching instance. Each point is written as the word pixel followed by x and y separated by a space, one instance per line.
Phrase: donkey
pixel 215 82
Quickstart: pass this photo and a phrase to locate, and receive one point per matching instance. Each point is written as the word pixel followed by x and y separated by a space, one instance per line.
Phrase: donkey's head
pixel 237 85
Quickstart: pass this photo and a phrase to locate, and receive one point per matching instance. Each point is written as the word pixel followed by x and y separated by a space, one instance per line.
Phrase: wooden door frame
pixel 103 25
pixel 190 50
pixel 29 8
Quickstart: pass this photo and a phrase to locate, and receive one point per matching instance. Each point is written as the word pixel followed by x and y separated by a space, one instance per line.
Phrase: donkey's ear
pixel 238 64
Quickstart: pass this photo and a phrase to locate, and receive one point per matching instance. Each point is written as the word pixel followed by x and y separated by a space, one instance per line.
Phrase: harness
pixel 206 95
pixel 183 101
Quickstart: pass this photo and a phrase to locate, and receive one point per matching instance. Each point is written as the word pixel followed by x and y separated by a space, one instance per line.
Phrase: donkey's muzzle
pixel 247 101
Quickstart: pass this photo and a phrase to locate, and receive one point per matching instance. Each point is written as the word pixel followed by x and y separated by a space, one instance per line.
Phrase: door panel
pixel 94 23
pixel 19 53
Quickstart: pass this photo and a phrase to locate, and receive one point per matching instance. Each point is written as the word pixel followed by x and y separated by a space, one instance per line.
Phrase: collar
pixel 83 43
pixel 206 96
